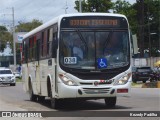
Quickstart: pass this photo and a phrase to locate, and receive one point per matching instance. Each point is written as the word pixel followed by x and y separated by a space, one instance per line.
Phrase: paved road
pixel 142 99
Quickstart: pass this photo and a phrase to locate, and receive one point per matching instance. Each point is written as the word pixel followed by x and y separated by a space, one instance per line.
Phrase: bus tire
pixel 31 94
pixel 110 102
pixel 41 98
pixel 54 101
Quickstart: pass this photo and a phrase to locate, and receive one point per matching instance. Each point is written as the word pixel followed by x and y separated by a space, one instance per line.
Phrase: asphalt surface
pixel 142 99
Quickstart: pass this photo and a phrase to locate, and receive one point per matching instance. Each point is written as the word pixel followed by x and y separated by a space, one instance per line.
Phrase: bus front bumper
pixel 101 91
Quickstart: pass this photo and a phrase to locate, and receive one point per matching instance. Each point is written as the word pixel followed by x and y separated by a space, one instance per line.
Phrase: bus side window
pixel 37 49
pixel 54 42
pixel 26 50
pixel 49 41
pixel 34 48
pixel 23 52
pixel 54 45
pixel 42 44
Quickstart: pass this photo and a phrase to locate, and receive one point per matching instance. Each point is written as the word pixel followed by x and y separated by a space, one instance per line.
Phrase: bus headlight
pixel 123 80
pixel 66 80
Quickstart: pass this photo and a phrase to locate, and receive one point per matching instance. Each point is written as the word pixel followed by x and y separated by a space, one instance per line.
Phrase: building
pixel 6 57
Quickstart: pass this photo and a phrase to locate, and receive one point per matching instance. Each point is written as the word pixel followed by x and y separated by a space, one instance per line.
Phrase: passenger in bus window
pixel 77 49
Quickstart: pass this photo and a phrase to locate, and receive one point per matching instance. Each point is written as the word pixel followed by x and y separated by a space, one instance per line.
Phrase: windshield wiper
pixel 81 37
pixel 108 38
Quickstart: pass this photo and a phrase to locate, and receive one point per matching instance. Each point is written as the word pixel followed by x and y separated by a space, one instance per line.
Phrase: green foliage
pixel 5 37
pixel 94 5
pixel 125 8
pixel 26 27
pixel 151 25
pixel 84 5
pixel 3 28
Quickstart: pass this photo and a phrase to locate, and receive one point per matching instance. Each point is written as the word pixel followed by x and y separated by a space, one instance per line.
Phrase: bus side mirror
pixel 54 48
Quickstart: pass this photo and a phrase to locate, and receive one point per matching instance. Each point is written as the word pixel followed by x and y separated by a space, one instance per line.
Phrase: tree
pixel 150 25
pixel 151 22
pixel 5 37
pixel 125 8
pixel 3 28
pixel 143 17
pixel 26 27
pixel 94 5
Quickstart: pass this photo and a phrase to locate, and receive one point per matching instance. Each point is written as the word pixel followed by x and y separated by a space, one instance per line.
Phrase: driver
pixel 113 47
pixel 113 50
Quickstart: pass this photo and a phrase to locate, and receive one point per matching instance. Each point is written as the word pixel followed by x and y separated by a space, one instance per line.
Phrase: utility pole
pixel 14 44
pixel 80 6
pixel 141 28
pixel 66 7
pixel 149 36
pixel 159 35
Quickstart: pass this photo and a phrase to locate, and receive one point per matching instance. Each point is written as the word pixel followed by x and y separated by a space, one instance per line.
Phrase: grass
pixel 134 84
pixel 18 79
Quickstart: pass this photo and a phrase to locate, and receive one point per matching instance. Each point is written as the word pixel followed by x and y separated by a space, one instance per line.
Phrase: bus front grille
pixel 96 90
pixel 85 83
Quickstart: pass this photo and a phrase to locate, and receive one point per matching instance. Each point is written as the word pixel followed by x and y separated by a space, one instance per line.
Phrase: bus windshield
pixel 94 49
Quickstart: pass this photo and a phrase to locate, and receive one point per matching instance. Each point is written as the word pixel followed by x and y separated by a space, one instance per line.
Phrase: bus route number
pixel 70 60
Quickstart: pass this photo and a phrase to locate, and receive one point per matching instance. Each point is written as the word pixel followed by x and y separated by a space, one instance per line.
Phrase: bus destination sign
pixel 93 22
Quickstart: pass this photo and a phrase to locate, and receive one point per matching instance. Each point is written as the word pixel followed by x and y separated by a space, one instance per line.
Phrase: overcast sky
pixel 26 10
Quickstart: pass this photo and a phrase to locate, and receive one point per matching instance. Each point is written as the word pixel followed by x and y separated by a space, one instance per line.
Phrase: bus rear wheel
pixel 110 102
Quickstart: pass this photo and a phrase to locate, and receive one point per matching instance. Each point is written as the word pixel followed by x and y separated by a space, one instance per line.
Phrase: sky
pixel 26 10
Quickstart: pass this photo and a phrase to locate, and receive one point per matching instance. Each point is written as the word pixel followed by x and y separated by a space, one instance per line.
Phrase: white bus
pixel 78 56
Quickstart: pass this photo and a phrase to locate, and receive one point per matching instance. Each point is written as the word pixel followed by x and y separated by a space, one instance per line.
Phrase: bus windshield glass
pixel 94 50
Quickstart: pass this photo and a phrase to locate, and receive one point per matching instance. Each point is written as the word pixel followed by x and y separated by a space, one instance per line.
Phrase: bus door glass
pixel 37 65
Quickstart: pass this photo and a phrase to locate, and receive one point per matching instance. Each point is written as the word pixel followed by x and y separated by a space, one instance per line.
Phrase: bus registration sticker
pixel 70 60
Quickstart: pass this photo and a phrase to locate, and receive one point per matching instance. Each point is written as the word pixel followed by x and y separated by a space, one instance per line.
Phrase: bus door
pixel 37 69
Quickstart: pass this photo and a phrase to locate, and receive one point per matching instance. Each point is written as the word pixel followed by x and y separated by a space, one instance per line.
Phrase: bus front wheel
pixel 41 98
pixel 54 101
pixel 110 102
pixel 31 94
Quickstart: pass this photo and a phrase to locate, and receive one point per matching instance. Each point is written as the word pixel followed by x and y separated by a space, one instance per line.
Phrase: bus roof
pixel 57 19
